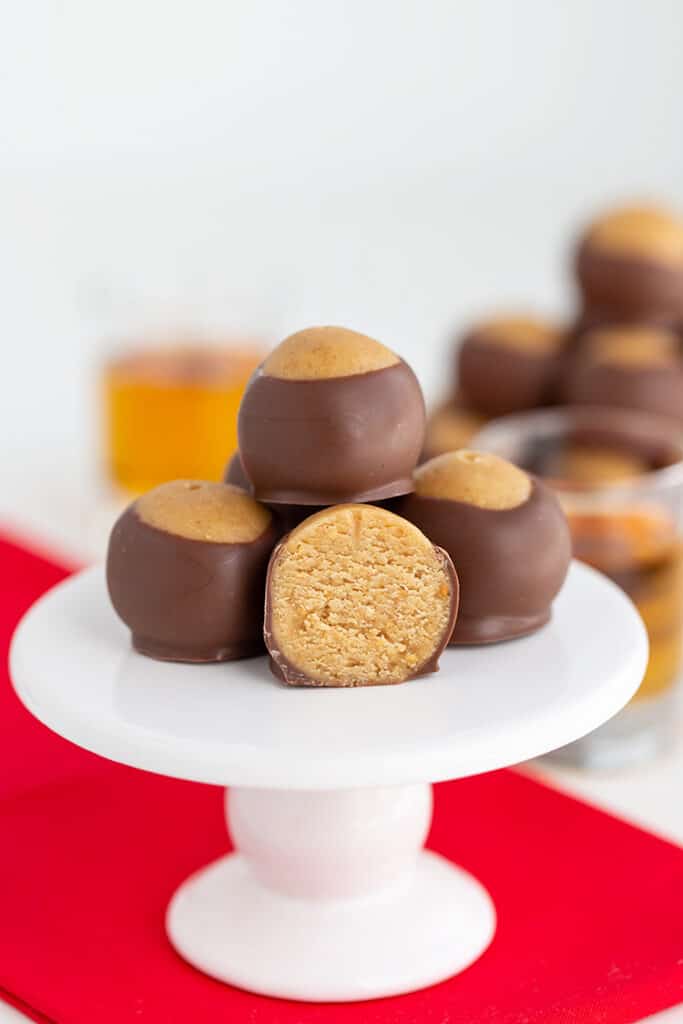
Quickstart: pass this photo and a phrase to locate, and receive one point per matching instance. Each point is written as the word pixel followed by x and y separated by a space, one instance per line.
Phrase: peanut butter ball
pixel 357 596
pixel 186 569
pixel 331 416
pixel 630 368
pixel 506 534
pixel 510 363
pixel 629 264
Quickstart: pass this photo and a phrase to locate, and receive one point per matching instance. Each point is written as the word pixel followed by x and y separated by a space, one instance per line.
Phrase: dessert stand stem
pixel 331 896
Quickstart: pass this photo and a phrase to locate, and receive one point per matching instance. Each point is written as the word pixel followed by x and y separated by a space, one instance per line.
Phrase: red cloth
pixel 590 908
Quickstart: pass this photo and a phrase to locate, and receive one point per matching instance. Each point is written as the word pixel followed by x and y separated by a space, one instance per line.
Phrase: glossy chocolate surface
pixel 287 672
pixel 628 287
pixel 286 516
pixel 511 563
pixel 188 600
pixel 333 440
pixel 497 379
pixel 234 474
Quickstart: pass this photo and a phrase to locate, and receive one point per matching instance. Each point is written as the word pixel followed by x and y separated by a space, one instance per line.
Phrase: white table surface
pixel 52 509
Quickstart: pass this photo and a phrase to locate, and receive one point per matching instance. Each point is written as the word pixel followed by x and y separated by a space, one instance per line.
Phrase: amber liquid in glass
pixel 639 549
pixel 172 412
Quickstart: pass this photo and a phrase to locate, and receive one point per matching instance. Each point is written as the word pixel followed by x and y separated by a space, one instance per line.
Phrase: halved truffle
pixel 506 534
pixel 629 265
pixel 357 596
pixel 331 416
pixel 510 363
pixel 186 570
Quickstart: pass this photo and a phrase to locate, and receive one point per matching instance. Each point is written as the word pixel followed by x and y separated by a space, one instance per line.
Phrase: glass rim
pixel 530 423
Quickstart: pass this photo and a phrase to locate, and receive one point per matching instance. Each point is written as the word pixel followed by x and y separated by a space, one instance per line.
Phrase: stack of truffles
pixel 624 349
pixel 326 544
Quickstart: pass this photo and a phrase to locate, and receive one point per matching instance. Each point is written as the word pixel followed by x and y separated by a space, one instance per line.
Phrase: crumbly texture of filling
pixel 451 428
pixel 477 478
pixel 521 332
pixel 358 597
pixel 320 353
pixel 648 232
pixel 633 347
pixel 203 510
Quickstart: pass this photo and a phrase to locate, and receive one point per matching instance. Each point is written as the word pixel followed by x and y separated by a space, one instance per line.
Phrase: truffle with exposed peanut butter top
pixel 629 367
pixel 629 264
pixel 506 534
pixel 331 416
pixel 186 569
pixel 510 363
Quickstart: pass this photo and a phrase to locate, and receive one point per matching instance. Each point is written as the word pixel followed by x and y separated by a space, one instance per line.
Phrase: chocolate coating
pixel 624 287
pixel 498 379
pixel 591 318
pixel 652 389
pixel 647 438
pixel 188 600
pixel 234 474
pixel 332 440
pixel 511 563
pixel 286 516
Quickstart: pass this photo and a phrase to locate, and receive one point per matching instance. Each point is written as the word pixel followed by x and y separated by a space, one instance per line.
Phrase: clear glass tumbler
pixel 619 476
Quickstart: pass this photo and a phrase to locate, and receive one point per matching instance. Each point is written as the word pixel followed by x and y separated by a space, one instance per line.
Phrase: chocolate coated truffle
pixel 629 265
pixel 506 534
pixel 630 368
pixel 510 363
pixel 357 596
pixel 450 427
pixel 331 416
pixel 186 570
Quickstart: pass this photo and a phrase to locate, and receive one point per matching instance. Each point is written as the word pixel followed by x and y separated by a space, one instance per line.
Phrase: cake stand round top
pixel 234 724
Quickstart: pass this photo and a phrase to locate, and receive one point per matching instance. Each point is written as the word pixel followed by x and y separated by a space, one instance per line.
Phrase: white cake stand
pixel 330 895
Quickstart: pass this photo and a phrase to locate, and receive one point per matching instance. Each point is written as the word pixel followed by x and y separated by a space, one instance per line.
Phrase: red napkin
pixel 590 908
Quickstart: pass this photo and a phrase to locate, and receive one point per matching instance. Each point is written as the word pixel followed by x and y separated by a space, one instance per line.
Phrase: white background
pixel 396 165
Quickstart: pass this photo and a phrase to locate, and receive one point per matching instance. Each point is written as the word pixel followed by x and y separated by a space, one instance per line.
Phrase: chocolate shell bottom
pixel 315 500
pixel 191 655
pixel 285 672
pixel 495 628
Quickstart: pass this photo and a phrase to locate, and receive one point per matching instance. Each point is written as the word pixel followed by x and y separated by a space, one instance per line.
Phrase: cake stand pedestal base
pixel 330 897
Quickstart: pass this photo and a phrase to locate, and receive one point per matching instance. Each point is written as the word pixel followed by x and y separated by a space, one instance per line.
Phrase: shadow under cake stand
pixel 330 894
